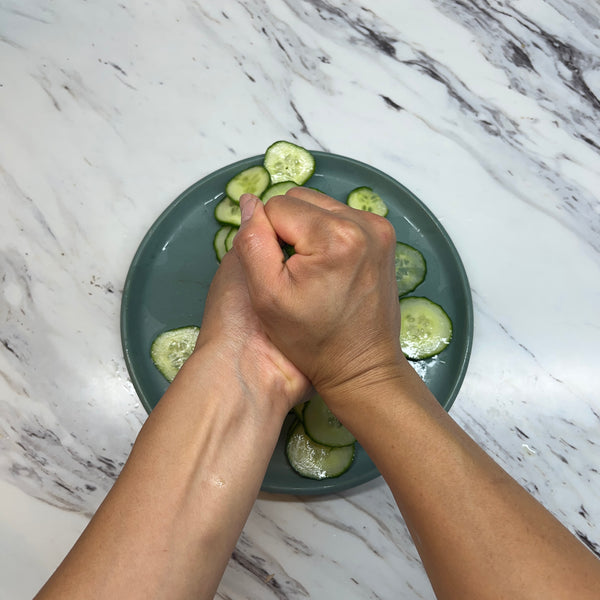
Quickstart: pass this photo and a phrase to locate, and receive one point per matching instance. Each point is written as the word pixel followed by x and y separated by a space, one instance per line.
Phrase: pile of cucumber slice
pixel 318 445
pixel 285 165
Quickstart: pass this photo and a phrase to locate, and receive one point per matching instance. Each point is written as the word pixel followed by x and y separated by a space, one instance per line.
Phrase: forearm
pixel 193 474
pixel 479 533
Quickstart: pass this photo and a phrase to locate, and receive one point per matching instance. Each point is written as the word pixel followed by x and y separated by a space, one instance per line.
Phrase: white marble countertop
pixel 488 110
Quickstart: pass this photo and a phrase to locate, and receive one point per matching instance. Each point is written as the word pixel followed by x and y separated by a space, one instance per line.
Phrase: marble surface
pixel 488 110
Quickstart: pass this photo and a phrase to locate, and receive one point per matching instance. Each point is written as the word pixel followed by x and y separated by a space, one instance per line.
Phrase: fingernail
pixel 247 204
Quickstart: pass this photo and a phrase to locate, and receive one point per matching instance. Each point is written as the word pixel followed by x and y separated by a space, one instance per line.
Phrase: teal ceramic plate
pixel 170 274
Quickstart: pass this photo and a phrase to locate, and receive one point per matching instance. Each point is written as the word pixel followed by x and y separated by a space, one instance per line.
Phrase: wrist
pixel 235 372
pixel 357 401
pixel 209 427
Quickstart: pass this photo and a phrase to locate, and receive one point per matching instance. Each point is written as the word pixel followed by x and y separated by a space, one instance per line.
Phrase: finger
pixel 228 279
pixel 228 274
pixel 317 198
pixel 256 245
pixel 230 269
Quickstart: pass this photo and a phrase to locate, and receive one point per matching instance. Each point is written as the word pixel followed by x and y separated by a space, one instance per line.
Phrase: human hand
pixel 234 334
pixel 332 307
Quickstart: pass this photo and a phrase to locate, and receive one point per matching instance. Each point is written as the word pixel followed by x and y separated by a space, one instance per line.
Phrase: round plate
pixel 171 272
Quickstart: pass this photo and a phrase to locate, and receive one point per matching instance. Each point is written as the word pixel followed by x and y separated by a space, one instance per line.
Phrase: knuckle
pixel 275 203
pixel 295 191
pixel 386 231
pixel 382 228
pixel 348 236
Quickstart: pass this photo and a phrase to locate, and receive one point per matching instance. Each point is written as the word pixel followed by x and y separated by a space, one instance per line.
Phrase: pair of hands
pixel 328 316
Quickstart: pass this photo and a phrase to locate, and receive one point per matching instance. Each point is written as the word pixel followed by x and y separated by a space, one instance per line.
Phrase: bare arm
pixel 169 525
pixel 480 535
pixel 332 309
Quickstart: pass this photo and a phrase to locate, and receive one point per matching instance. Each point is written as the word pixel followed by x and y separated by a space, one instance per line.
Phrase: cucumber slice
pixel 254 180
pixel 322 426
pixel 278 189
pixel 228 212
pixel 364 198
pixel 313 460
pixel 288 162
pixel 425 328
pixel 411 268
pixel 219 241
pixel 229 238
pixel 172 348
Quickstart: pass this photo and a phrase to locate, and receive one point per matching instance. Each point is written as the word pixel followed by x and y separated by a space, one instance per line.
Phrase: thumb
pixel 256 245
